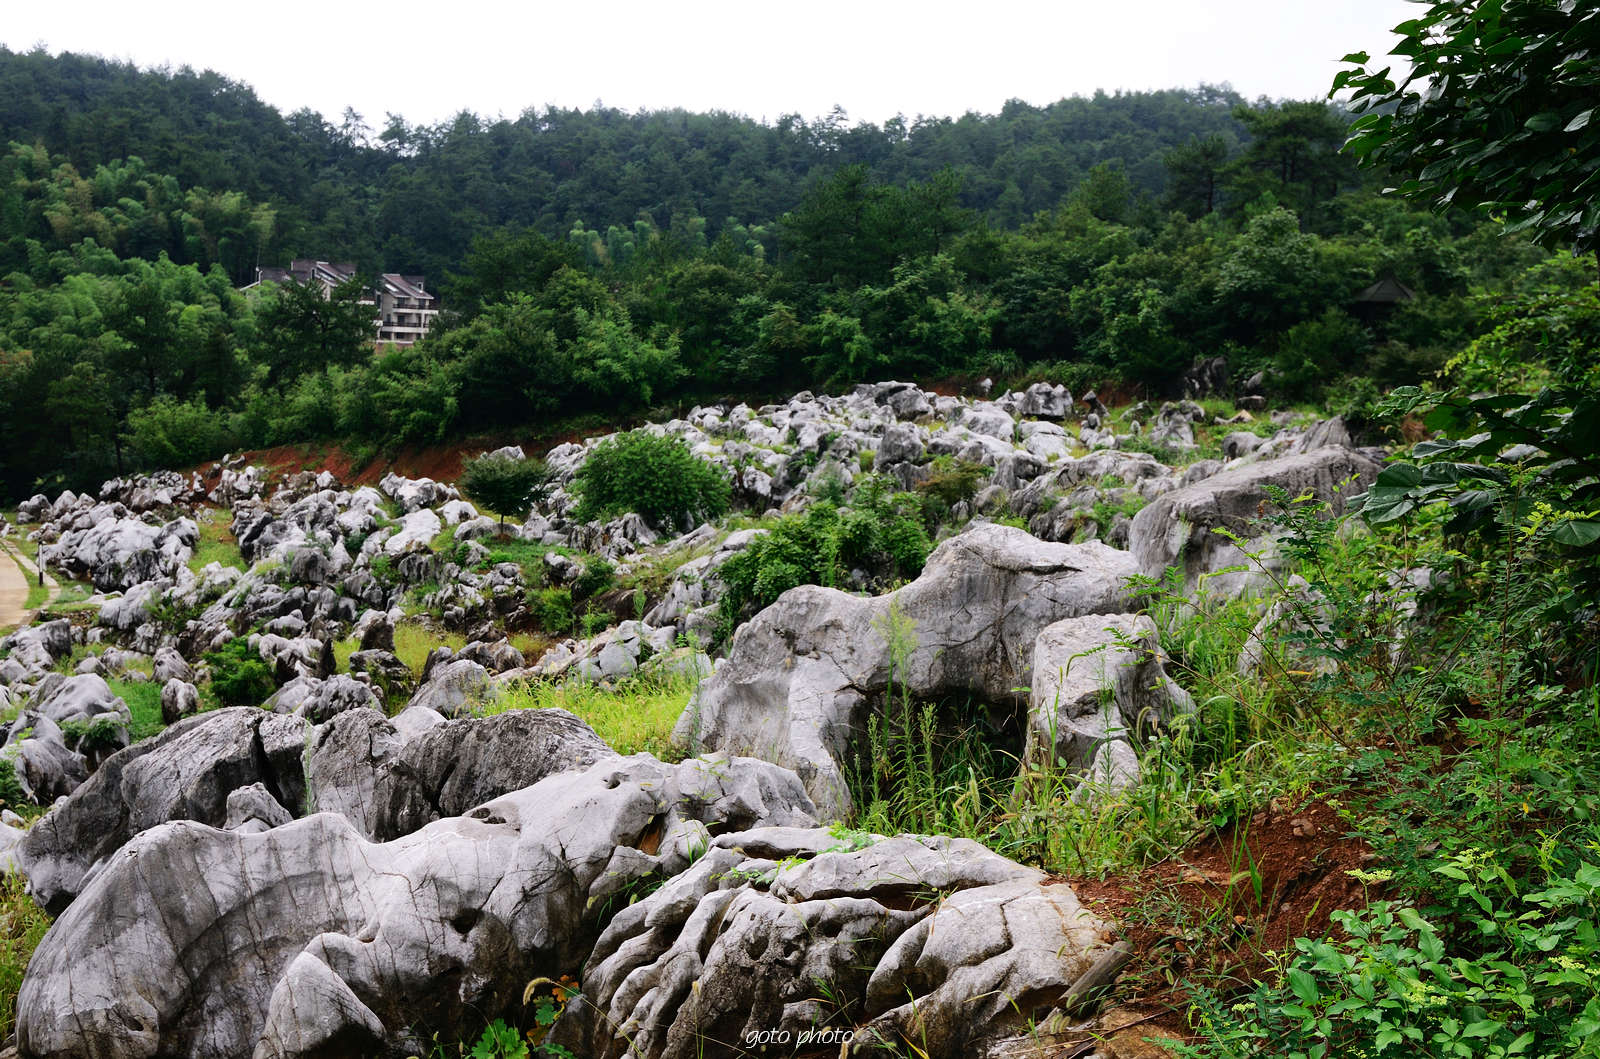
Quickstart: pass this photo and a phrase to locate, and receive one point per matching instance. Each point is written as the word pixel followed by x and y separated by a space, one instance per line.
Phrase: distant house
pixel 1382 298
pixel 403 308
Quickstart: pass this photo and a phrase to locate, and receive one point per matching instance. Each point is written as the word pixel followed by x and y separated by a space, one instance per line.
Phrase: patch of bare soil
pixel 1214 912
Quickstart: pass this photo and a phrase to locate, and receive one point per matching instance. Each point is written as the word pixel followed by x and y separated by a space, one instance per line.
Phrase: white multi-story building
pixel 403 308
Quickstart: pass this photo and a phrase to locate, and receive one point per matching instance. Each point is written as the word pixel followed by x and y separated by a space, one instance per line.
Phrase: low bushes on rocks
pixel 651 474
pixel 239 676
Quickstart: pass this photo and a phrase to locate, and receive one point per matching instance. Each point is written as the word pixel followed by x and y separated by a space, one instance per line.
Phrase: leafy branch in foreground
pixel 1498 112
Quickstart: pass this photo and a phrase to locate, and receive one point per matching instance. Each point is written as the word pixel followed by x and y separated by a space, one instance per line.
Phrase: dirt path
pixel 13 593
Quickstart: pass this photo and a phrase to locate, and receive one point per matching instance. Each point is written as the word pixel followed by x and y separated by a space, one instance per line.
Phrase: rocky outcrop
pixel 459 764
pixel 1193 527
pixel 118 552
pixel 1098 684
pixel 361 942
pixel 935 936
pixel 804 674
pixel 188 771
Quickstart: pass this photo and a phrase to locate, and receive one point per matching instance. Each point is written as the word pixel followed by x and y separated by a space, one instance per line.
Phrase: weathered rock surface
pixel 184 773
pixel 802 676
pixel 930 929
pixel 1181 527
pixel 1098 682
pixel 362 941
pixel 462 763
pixel 117 553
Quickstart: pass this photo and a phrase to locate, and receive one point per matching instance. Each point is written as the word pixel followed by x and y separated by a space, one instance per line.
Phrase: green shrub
pixel 1521 982
pixel 952 485
pixel 504 485
pixel 238 675
pixel 552 608
pixel 656 476
pixel 598 575
pixel 175 434
pixel 11 796
pixel 881 534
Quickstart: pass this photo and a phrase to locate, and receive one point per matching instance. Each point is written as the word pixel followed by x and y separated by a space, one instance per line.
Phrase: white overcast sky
pixel 875 58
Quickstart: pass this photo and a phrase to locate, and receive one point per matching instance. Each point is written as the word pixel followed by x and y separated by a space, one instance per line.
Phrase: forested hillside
pixel 611 262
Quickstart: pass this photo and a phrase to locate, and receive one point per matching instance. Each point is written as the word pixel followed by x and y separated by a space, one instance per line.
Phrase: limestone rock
pixel 1180 527
pixel 441 927
pixel 1098 682
pixel 462 763
pixel 802 676
pixel 179 699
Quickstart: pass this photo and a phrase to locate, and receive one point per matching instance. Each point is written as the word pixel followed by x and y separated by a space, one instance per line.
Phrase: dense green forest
pixel 610 262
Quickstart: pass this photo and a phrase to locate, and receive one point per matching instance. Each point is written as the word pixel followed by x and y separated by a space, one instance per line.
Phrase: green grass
pixel 72 598
pixel 144 703
pixel 22 927
pixel 636 717
pixel 216 542
pixel 413 641
pixel 37 594
pixel 443 541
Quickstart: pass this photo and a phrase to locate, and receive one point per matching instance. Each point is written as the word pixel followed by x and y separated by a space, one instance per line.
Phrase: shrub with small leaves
pixel 238 675
pixel 656 476
pixel 504 484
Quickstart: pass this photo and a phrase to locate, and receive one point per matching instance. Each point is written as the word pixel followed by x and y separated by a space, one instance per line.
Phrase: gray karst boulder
pixel 42 764
pixel 82 699
pixel 804 675
pixel 375 631
pixel 134 607
pixel 989 962
pixel 290 658
pixel 1046 401
pixel 735 946
pixel 415 532
pixel 1180 527
pixel 343 760
pixel 183 773
pixel 462 763
pixel 414 493
pixel 901 443
pixel 1323 433
pixel 362 941
pixel 1240 443
pixel 988 418
pixel 1098 683
pixel 34 509
pixel 117 553
pixel 179 699
pixel 320 700
pixel 452 688
pixel 170 665
pixel 252 809
pixel 38 647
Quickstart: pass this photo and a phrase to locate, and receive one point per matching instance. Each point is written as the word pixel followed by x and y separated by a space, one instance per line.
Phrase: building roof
pixel 331 274
pixel 405 286
pixel 1386 291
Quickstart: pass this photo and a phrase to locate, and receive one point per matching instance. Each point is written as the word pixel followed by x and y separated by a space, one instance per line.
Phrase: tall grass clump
pixel 22 926
pixel 636 716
